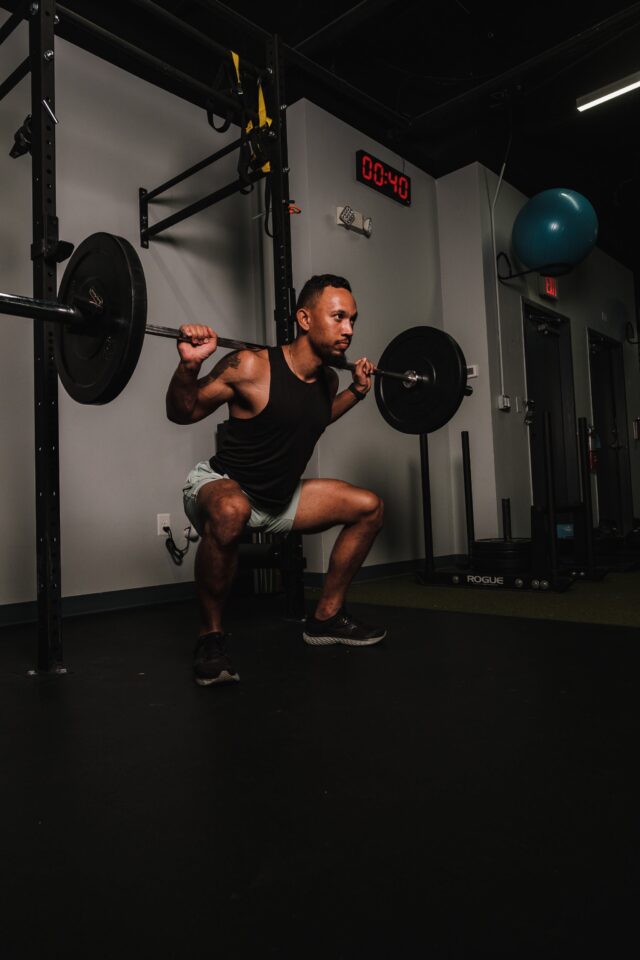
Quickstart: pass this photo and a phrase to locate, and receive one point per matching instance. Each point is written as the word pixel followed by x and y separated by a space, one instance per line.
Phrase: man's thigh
pixel 211 495
pixel 326 503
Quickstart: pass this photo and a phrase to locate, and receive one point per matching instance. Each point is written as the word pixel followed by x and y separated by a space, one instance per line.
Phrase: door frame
pixel 567 383
pixel 621 423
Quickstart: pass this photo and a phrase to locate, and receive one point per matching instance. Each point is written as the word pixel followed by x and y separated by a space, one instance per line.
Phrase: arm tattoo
pixel 231 360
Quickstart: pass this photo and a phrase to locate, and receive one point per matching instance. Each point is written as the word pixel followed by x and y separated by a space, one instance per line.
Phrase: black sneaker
pixel 211 663
pixel 341 628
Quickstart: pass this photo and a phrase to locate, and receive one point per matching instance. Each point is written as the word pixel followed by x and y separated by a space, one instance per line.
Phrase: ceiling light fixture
pixel 616 89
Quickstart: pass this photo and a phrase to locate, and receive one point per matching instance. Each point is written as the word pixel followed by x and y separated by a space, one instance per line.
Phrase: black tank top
pixel 267 454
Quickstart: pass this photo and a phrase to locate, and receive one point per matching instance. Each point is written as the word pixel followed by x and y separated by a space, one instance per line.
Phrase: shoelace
pixel 213 644
pixel 346 620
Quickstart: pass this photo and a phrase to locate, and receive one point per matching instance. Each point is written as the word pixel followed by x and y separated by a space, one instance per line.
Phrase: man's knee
pixel 225 518
pixel 372 507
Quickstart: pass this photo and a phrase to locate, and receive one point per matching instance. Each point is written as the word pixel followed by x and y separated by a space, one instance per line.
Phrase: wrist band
pixel 357 394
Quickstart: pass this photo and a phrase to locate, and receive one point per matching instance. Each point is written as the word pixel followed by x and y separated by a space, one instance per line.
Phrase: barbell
pixel 100 325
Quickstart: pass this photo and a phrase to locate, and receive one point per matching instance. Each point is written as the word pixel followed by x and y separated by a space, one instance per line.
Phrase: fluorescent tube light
pixel 609 92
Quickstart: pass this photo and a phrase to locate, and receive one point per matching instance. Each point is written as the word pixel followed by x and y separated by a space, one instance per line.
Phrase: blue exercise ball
pixel 554 231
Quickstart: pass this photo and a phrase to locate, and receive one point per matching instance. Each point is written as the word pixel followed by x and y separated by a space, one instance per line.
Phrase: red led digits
pixel 383 178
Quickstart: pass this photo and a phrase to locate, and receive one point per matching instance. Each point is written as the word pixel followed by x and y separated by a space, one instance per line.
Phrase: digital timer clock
pixel 381 177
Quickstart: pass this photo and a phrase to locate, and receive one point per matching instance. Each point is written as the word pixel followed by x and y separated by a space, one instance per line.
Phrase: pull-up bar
pixel 188 31
pixel 14 20
pixel 203 91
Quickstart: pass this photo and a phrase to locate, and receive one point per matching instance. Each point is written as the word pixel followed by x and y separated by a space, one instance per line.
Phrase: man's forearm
pixel 182 394
pixel 342 402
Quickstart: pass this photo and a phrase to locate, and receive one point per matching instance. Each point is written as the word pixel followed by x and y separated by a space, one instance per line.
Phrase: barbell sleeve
pixel 50 311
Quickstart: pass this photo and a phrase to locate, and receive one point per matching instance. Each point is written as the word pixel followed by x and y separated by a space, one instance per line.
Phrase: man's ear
pixel 303 318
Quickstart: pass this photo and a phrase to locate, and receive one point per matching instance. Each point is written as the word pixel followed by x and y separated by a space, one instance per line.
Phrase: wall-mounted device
pixel 383 178
pixel 352 220
pixel 548 287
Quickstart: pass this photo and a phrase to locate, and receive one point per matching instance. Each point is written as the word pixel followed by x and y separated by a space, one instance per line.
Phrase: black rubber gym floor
pixel 466 789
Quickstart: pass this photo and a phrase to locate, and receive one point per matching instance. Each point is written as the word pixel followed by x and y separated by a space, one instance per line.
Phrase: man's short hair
pixel 315 285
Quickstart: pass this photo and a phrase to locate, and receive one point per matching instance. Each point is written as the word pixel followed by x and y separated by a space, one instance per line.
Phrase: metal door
pixel 550 388
pixel 610 439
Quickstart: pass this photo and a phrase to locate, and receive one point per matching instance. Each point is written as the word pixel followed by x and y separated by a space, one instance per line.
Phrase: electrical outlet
pixel 164 520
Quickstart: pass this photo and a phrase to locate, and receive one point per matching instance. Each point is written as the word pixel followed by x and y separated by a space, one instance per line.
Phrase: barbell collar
pixel 409 377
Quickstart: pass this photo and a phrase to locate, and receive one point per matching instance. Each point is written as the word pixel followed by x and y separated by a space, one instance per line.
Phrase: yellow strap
pixel 264 120
pixel 236 63
pixel 262 106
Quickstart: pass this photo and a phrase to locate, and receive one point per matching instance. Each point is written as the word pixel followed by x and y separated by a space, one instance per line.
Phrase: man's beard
pixel 330 356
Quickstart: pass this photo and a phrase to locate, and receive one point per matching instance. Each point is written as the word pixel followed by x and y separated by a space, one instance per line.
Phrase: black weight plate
pixel 422 408
pixel 495 547
pixel 95 360
pixel 501 556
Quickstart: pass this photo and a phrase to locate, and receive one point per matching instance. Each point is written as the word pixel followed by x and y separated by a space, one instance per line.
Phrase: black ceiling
pixel 443 84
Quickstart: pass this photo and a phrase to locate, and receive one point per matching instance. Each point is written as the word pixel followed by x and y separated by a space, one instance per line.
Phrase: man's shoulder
pixel 244 364
pixel 254 357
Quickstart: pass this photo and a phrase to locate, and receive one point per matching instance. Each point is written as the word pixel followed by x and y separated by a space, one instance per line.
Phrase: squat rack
pixel 46 253
pixel 37 136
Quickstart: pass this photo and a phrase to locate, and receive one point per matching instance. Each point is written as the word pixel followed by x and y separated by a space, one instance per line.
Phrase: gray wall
pixel 123 463
pixel 598 294
pixel 395 275
pixel 466 312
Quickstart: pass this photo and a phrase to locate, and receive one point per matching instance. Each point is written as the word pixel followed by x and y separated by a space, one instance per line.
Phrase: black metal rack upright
pixel 282 268
pixel 293 562
pixel 46 253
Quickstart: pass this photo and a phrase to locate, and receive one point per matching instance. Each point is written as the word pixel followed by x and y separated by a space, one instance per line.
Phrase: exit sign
pixel 548 287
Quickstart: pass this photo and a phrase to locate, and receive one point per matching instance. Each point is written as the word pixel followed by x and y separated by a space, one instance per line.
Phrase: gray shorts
pixel 260 518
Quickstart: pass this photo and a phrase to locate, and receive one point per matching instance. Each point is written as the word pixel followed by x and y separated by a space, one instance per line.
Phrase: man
pixel 280 401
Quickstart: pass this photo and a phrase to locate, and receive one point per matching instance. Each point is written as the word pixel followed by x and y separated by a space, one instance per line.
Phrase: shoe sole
pixel 223 677
pixel 314 641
